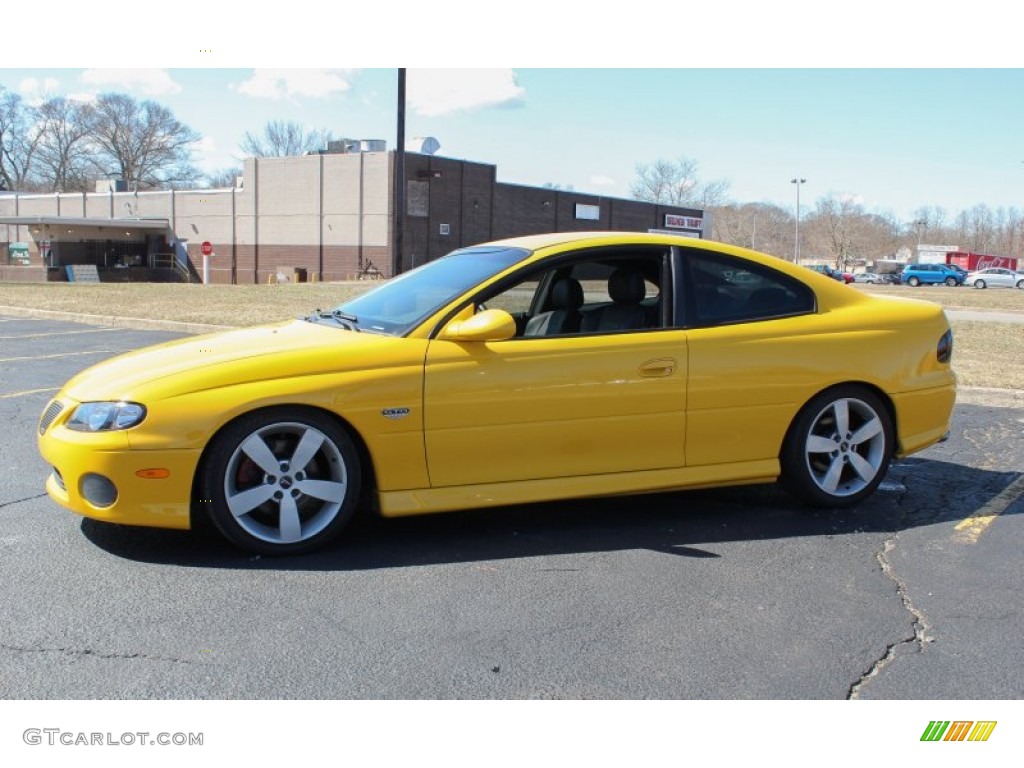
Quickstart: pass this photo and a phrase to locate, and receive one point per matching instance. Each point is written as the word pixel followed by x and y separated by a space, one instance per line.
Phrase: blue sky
pixel 758 114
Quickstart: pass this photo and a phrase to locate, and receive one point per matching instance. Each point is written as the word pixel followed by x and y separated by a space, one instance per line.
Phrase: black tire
pixel 1020 284
pixel 951 282
pixel 838 448
pixel 913 282
pixel 260 501
pixel 979 283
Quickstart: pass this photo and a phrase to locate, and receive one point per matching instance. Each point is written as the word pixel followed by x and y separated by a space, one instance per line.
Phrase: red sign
pixel 207 248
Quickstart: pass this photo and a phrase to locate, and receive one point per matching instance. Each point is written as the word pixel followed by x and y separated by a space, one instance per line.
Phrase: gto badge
pixel 395 413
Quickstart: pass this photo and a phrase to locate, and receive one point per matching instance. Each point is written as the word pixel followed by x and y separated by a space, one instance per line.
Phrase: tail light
pixel 944 351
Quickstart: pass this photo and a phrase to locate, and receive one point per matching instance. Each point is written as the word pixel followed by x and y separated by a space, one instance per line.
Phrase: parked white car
pixel 866 277
pixel 995 277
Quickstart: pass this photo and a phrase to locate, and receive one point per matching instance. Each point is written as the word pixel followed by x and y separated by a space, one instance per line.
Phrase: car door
pixel 751 358
pixel 583 402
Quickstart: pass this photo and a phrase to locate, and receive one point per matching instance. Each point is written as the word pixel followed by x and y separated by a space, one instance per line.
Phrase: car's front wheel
pixel 951 282
pixel 1020 284
pixel 281 481
pixel 838 448
pixel 979 284
pixel 914 282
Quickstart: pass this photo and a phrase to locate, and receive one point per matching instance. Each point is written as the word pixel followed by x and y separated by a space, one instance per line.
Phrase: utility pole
pixel 399 196
pixel 796 245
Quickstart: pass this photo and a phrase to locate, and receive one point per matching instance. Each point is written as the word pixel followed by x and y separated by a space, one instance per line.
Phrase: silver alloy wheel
pixel 285 482
pixel 845 447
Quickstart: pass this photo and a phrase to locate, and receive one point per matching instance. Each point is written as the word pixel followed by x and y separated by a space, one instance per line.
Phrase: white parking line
pixel 59 333
pixel 7 395
pixel 62 354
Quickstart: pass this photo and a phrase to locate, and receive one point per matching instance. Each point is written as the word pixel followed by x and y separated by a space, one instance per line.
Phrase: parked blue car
pixel 931 274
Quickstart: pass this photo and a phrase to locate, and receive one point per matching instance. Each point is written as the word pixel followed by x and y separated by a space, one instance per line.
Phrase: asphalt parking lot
pixel 728 594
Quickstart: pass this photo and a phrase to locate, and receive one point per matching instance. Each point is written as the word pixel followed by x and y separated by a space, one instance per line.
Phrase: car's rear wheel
pixel 281 481
pixel 914 282
pixel 951 282
pixel 1020 284
pixel 838 448
pixel 979 283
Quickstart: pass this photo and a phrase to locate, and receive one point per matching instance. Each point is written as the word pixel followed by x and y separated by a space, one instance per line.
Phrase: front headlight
pixel 97 417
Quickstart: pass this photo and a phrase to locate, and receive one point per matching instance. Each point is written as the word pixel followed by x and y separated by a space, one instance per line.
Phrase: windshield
pixel 400 304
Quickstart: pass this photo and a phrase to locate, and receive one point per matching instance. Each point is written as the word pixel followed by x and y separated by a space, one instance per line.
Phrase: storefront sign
pixel 675 221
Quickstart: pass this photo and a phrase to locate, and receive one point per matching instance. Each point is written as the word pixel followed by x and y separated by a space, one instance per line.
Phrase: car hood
pixel 262 353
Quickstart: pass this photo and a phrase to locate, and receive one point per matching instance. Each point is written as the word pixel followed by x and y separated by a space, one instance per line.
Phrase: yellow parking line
pixel 28 392
pixel 59 333
pixel 969 531
pixel 62 354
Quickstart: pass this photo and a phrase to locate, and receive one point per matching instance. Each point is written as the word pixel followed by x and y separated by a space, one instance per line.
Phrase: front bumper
pixel 160 498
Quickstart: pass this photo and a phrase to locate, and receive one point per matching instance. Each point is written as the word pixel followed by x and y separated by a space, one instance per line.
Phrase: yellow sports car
pixel 536 368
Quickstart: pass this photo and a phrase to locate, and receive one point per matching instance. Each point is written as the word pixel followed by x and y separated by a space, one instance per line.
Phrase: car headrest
pixel 567 293
pixel 626 286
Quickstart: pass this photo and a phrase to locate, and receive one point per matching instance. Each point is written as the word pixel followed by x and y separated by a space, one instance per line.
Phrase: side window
pixel 606 291
pixel 722 290
pixel 518 299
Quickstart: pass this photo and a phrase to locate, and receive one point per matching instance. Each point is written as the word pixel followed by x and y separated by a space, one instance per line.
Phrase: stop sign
pixel 207 248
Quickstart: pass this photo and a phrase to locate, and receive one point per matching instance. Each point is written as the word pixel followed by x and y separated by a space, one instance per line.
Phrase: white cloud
pixel 433 92
pixel 281 83
pixel 36 91
pixel 150 82
pixel 602 181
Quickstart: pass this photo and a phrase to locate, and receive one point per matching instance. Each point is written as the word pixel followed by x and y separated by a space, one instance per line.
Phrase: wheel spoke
pixel 866 432
pixel 841 408
pixel 864 468
pixel 289 524
pixel 257 450
pixel 831 479
pixel 323 489
pixel 245 502
pixel 306 449
pixel 819 444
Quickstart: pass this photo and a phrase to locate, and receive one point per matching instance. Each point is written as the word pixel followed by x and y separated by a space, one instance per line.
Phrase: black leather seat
pixel 627 289
pixel 566 298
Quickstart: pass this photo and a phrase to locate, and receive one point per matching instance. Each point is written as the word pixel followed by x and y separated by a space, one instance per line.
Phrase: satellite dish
pixel 424 145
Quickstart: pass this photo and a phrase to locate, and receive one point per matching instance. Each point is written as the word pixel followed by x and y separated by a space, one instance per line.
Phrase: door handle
pixel 661 366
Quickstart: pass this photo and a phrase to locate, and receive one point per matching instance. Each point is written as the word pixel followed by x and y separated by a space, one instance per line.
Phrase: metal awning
pixel 80 221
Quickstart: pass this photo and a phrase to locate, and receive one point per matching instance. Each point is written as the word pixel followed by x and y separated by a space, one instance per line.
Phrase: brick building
pixel 328 216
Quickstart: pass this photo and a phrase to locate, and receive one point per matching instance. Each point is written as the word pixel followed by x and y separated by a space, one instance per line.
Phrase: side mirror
pixel 489 325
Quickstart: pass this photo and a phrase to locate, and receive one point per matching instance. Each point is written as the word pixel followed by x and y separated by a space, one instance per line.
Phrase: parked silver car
pixel 995 277
pixel 866 277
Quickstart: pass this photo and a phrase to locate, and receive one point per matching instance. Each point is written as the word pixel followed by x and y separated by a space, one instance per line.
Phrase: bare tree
pixel 676 183
pixel 143 142
pixel 63 157
pixel 225 177
pixel 18 140
pixel 283 139
pixel 761 226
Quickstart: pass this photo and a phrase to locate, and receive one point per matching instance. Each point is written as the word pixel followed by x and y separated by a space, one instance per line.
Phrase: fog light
pixel 98 490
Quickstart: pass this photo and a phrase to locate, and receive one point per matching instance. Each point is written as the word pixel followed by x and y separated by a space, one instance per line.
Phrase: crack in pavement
pixel 920 637
pixel 95 654
pixel 921 628
pixel 19 501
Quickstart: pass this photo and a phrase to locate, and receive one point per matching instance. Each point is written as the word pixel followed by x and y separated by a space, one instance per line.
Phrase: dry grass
pixel 239 305
pixel 995 299
pixel 985 355
pixel 988 354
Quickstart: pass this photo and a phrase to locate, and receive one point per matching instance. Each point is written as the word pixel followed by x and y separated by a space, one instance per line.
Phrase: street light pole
pixel 796 246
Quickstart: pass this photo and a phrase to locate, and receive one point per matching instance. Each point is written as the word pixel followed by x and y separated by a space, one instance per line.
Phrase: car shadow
pixel 689 524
